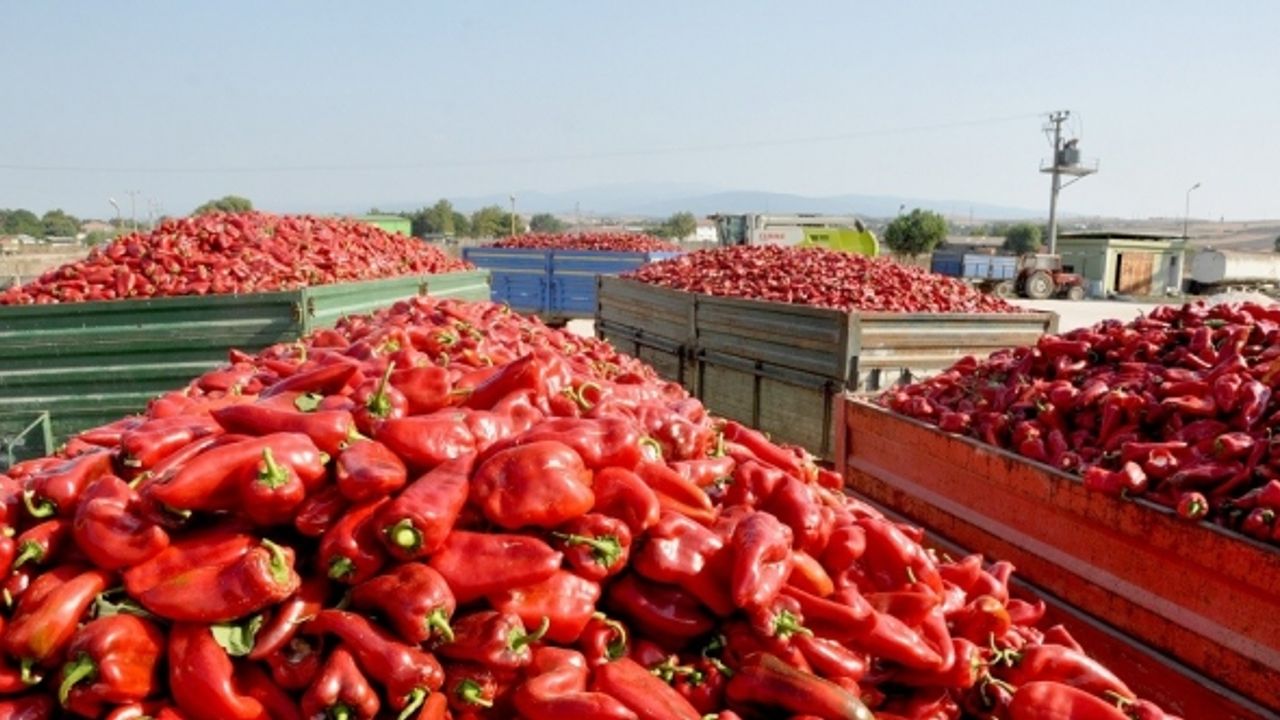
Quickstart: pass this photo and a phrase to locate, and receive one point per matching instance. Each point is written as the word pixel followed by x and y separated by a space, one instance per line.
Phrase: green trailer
pixel 90 363
pixel 390 223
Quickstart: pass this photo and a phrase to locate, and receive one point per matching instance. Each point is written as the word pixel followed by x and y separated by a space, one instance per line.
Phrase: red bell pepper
pixel 556 688
pixel 480 564
pixel 682 552
pixel 427 441
pixel 350 552
pixel 368 470
pixel 41 544
pixel 377 400
pixel 56 490
pixel 417 521
pixel 330 430
pixel 270 493
pixel 541 484
pixel 407 674
pixel 595 546
pixel 660 611
pixel 765 682
pixel 340 691
pixel 632 685
pixel 294 665
pixel 600 442
pixel 48 614
pixel 426 388
pixel 211 481
pixel 623 495
pixel 413 598
pixel 761 559
pixel 111 528
pixel 111 660
pixel 202 678
pixel 603 640
pixel 496 640
pixel 565 600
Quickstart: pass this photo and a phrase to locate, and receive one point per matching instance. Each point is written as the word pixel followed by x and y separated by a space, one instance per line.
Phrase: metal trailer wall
pixel 557 285
pixel 779 367
pixel 90 363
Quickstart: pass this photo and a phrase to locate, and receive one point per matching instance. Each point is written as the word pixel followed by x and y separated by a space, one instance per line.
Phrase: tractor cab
pixel 1042 276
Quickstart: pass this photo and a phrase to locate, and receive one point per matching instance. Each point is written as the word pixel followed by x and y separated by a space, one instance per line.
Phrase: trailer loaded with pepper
pixel 446 510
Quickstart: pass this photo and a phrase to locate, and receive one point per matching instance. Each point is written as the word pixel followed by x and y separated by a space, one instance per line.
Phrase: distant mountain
pixel 663 199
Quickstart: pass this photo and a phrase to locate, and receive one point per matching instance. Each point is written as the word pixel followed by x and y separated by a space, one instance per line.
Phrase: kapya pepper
pixel 541 484
pixel 376 400
pixel 270 492
pixel 349 551
pixel 416 522
pixel 367 470
pixel 257 683
pixel 427 441
pixel 56 490
pixel 1060 664
pixel 111 527
pixel 211 481
pixel 320 511
pixel 684 553
pixel 470 688
pixel 340 691
pixel 49 613
pixel 202 677
pixel 556 688
pixel 565 600
pixel 764 682
pixel 596 546
pixel 603 640
pixel 407 674
pixel 413 599
pixel 497 640
pixel 633 686
pixel 111 660
pixel 330 430
pixel 600 442
pixel 621 494
pixel 761 559
pixel 661 611
pixel 1051 701
pixel 40 544
pixel 480 564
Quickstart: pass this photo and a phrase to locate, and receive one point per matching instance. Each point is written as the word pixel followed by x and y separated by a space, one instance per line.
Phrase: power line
pixel 670 150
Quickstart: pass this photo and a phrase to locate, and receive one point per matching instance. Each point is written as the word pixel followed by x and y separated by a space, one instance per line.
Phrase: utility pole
pixel 1057 118
pixel 1186 212
pixel 513 214
pixel 133 207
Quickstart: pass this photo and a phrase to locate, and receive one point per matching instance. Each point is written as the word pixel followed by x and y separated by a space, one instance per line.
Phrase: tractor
pixel 1041 277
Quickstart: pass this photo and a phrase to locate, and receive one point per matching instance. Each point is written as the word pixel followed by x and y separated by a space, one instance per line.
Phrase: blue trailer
pixel 556 285
pixel 990 273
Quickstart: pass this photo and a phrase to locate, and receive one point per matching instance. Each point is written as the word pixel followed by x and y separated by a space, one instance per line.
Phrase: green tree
pixel 916 233
pixel 461 224
pixel 22 222
pixel 1277 245
pixel 226 203
pixel 1022 238
pixel 490 221
pixel 435 220
pixel 57 223
pixel 546 223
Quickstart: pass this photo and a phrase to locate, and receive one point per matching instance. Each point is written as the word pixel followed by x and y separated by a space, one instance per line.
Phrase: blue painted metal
pixel 555 284
pixel 975 266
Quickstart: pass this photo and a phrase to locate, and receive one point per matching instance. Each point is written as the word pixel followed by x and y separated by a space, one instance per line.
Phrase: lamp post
pixel 116 205
pixel 513 214
pixel 1186 213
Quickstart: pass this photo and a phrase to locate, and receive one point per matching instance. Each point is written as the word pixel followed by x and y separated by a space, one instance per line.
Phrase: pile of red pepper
pixel 451 511
pixel 1178 407
pixel 822 278
pixel 607 241
pixel 223 253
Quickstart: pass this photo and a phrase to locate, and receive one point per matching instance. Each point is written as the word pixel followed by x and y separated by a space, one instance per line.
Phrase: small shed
pixel 1124 262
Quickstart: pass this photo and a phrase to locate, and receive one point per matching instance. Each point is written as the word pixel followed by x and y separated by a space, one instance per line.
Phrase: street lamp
pixel 513 214
pixel 115 205
pixel 1186 214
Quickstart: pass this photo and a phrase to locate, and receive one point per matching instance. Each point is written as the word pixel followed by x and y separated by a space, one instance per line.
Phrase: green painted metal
pixel 24 436
pixel 390 223
pixel 91 363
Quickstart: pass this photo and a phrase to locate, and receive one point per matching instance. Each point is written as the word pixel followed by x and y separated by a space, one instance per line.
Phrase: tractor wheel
pixel 1003 289
pixel 1039 285
pixel 1075 292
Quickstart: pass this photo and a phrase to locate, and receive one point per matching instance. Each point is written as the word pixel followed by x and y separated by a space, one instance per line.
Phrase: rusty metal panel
pixel 1201 594
pixel 648 310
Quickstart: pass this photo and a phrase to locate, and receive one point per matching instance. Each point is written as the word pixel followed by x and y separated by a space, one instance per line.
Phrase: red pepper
pixel 282 625
pixel 1129 480
pixel 600 442
pixel 762 448
pixel 349 551
pixel 565 600
pixel 56 490
pixel 556 688
pixel 705 472
pixel 1063 665
pixel 202 678
pixel 480 564
pixel 376 401
pixel 111 660
pixel 30 707
pixel 340 690
pixel 496 640
pixel 416 523
pixel 323 380
pixel 660 611
pixel 211 481
pixel 426 389
pixel 270 493
pixel 761 559
pixel 320 511
pixel 367 470
pixel 41 544
pixel 427 441
pixel 681 552
pixel 147 444
pixel 258 684
pixel 796 504
pixel 807 574
pixel 1258 523
pixel 1192 506
pixel 48 614
pixel 1254 398
pixel 542 484
pixel 632 685
pixel 764 682
pixel 330 430
pixel 892 559
pixel 110 527
pixel 831 659
pixel 526 373
pixel 294 665
pixel 982 618
pixel 229 578
pixel 603 640
pixel 595 546
pixel 623 495
pixel 470 688
pixel 676 493
pixel 1054 701
pixel 413 598
pixel 407 674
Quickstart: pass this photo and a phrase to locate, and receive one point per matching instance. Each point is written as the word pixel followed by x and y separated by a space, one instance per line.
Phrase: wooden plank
pixel 1197 592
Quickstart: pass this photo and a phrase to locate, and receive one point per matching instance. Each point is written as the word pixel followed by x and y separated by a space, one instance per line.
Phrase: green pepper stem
pixel 521 639
pixel 82 668
pixel 28 551
pixel 27 673
pixel 786 624
pixel 273 475
pixel 470 692
pixel 412 702
pixel 38 509
pixel 339 712
pixel 404 535
pixel 379 404
pixel 438 622
pixel 605 549
pixel 279 562
pixel 341 567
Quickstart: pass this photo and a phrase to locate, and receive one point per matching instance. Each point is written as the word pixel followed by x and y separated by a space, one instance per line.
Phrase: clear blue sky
pixel 393 102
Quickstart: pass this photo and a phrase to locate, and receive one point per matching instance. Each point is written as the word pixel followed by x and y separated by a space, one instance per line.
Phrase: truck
pixel 1214 270
pixel 846 233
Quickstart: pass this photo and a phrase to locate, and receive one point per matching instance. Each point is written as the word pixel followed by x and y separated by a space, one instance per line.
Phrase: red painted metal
pixel 1208 597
